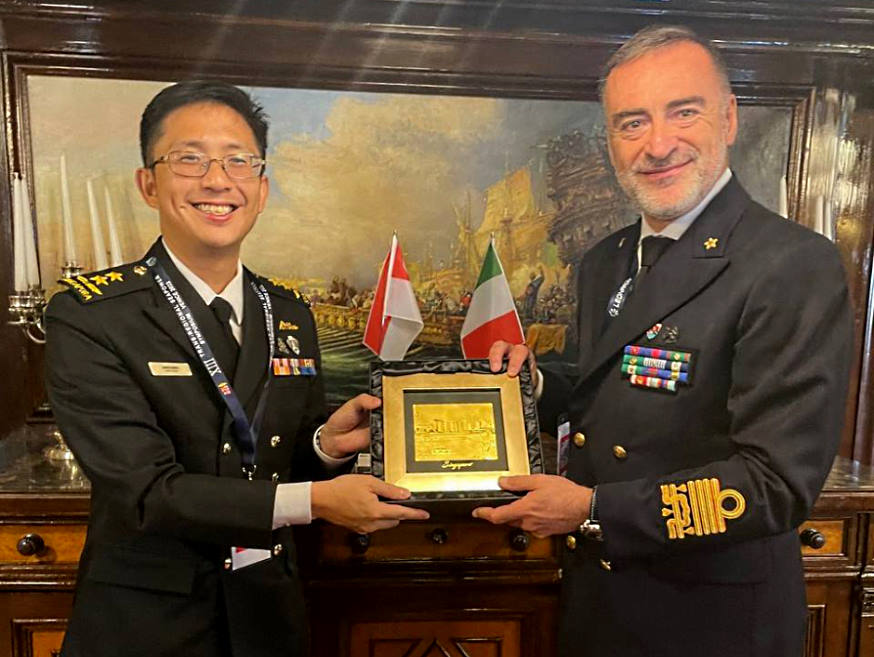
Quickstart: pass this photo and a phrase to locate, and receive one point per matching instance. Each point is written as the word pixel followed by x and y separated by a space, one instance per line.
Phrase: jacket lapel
pixel 252 362
pixel 160 312
pixel 608 276
pixel 686 268
pixel 163 316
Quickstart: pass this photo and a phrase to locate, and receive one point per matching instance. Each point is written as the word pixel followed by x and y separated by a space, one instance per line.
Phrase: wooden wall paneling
pixel 854 226
pixel 16 352
pixel 849 198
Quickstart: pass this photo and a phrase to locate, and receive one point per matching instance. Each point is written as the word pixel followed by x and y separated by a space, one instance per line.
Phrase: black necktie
pixel 651 249
pixel 223 312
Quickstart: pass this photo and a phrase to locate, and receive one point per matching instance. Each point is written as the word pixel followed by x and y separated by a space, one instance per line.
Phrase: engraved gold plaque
pixel 452 432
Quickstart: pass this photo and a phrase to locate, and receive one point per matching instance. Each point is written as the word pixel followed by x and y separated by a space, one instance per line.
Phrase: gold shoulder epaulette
pixel 109 283
pixel 284 288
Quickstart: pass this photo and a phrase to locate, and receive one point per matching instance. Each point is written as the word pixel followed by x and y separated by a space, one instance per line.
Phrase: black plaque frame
pixel 456 501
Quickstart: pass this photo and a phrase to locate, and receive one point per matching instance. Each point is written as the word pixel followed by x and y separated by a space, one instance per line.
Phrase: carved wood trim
pixel 814 634
pixel 37 637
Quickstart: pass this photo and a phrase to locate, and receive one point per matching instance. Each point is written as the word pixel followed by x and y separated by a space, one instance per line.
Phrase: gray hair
pixel 658 36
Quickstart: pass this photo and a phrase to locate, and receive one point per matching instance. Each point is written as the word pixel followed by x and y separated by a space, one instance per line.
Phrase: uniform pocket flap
pixel 744 563
pixel 142 570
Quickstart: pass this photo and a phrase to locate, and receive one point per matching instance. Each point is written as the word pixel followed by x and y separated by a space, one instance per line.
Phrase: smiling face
pixel 670 122
pixel 208 216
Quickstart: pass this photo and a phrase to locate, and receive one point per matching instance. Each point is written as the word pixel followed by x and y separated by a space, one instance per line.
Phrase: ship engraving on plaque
pixel 455 434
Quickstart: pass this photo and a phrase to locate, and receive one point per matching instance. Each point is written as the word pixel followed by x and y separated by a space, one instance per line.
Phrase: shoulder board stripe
pixel 108 283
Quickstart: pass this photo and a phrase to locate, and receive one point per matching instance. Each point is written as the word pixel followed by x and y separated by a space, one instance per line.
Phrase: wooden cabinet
pixel 832 573
pixel 457 588
pixel 866 599
pixel 475 638
pixel 36 590
pixel 43 518
pixel 839 564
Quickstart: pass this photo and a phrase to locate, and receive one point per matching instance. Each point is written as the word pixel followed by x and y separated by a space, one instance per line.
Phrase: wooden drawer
pixel 835 533
pixel 430 541
pixel 63 543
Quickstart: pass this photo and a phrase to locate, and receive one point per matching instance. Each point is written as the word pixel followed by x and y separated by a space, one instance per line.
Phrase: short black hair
pixel 191 92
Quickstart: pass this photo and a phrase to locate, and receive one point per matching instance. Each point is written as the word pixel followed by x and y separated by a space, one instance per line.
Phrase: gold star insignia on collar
pixel 100 280
pixel 115 276
pixel 139 270
pixel 710 243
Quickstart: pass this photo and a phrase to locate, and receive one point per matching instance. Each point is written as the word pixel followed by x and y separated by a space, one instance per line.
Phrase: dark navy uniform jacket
pixel 700 490
pixel 169 498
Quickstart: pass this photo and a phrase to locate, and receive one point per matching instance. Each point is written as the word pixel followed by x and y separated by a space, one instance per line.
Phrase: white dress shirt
pixel 292 504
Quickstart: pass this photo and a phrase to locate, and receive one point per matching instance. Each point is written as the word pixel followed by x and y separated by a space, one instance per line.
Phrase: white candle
pixel 115 257
pixel 69 235
pixel 827 220
pixel 818 224
pixel 96 233
pixel 783 209
pixel 18 236
pixel 31 265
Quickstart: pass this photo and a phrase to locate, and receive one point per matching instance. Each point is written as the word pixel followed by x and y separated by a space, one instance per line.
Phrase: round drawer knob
pixel 812 539
pixel 30 545
pixel 519 540
pixel 439 536
pixel 359 543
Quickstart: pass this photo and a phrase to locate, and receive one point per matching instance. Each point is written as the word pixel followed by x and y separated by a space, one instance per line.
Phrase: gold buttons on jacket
pixel 226 448
pixel 606 565
pixel 274 441
pixel 619 452
pixel 579 439
pixel 274 477
pixel 571 542
pixel 277 549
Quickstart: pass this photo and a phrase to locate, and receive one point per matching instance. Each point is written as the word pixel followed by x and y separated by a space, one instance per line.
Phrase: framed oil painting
pixel 348 168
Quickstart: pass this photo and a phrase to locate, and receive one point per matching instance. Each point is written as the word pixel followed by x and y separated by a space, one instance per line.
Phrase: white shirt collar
pixel 678 226
pixel 233 292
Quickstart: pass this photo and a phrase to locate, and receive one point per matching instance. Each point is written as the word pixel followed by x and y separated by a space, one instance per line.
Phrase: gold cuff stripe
pixel 697 508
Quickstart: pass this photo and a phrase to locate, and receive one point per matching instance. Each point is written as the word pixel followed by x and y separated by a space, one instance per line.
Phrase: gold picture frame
pixel 447 430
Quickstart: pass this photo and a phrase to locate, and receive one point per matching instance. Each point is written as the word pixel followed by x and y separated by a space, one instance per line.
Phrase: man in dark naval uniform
pixel 705 407
pixel 190 391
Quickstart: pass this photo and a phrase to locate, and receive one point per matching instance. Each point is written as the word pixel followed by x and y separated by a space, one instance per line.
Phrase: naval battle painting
pixel 347 169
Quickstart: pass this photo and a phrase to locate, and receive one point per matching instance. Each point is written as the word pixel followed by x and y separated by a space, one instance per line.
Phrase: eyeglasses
pixel 191 164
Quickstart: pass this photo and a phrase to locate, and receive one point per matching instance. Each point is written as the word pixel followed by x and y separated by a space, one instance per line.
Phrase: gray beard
pixel 649 204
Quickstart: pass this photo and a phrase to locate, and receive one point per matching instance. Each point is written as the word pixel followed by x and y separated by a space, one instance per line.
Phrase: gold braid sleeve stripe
pixel 697 508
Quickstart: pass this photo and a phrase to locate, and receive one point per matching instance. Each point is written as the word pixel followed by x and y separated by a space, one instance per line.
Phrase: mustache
pixel 649 163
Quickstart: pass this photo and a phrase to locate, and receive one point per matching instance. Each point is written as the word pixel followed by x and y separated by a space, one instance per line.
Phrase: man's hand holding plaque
pixel 551 505
pixel 352 501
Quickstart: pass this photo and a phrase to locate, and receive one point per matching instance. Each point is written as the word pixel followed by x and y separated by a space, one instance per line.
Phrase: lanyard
pixel 617 301
pixel 246 434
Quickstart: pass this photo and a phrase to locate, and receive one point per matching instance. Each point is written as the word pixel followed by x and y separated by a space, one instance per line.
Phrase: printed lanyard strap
pixel 246 434
pixel 617 301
